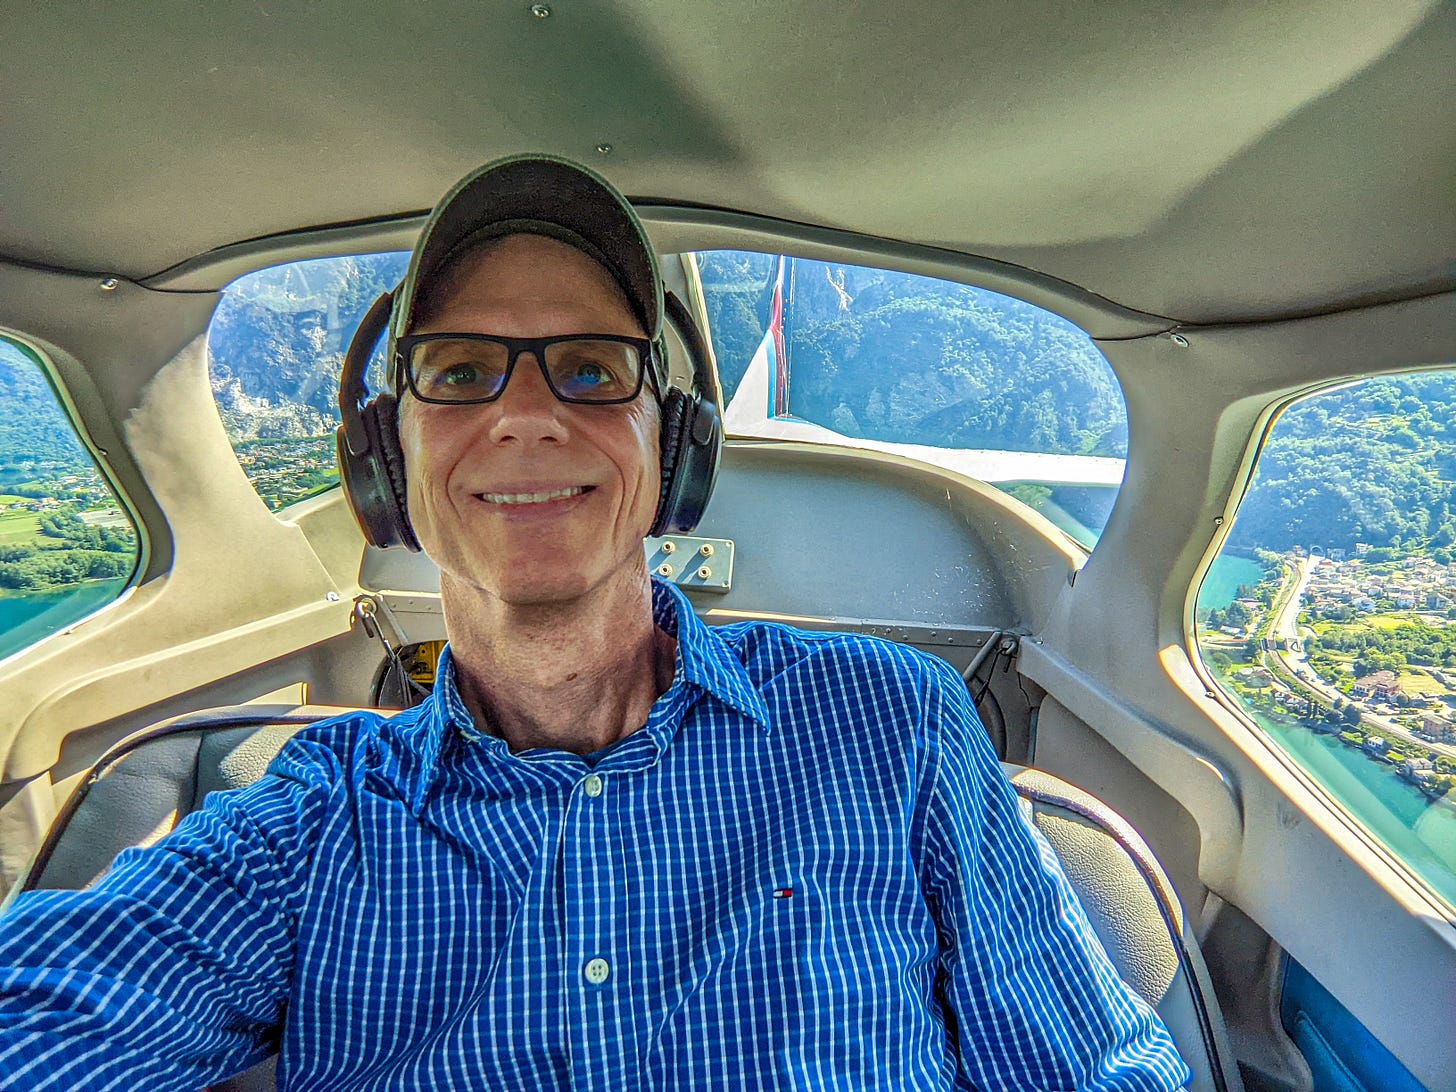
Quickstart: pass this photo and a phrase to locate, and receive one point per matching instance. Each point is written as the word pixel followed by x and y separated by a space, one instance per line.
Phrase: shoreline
pixel 1445 799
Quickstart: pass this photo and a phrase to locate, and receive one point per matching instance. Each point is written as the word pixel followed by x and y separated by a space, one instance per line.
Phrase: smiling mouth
pixel 535 498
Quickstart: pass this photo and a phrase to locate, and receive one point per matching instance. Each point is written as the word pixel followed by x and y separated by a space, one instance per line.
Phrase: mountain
pixel 894 356
pixel 278 339
pixel 1373 462
pixel 33 429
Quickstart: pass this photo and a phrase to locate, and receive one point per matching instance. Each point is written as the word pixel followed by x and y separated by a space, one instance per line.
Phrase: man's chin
pixel 546 586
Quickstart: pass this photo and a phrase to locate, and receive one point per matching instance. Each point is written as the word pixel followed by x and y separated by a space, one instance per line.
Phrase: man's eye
pixel 458 375
pixel 591 370
pixel 592 373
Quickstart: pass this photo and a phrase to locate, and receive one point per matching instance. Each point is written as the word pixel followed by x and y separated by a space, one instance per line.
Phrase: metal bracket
pixel 704 564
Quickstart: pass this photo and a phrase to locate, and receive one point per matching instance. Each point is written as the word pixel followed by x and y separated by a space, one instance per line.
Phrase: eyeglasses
pixel 594 369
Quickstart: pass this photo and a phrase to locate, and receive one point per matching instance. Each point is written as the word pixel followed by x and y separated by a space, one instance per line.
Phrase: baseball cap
pixel 537 195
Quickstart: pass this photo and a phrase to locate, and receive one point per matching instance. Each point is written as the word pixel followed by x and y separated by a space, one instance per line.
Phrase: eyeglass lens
pixel 474 369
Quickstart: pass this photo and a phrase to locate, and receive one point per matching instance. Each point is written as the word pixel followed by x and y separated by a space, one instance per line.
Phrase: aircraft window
pixel 275 348
pixel 1329 615
pixel 67 547
pixel 960 377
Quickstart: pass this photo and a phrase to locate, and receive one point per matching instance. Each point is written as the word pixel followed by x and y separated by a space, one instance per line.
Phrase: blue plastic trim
pixel 1342 1054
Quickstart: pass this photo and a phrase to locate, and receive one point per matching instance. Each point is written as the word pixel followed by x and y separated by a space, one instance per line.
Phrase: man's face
pixel 477 473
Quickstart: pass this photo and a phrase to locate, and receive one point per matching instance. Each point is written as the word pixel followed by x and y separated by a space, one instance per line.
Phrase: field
pixel 1391 621
pixel 1387 621
pixel 17 528
pixel 1416 681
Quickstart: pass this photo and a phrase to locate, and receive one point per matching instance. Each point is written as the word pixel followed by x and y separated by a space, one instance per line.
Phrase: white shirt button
pixel 596 971
pixel 592 786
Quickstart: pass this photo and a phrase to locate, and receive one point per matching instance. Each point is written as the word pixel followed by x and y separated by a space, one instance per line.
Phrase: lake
pixel 1221 585
pixel 1420 833
pixel 25 619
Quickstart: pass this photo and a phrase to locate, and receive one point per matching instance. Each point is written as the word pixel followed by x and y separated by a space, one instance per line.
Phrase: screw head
pixel 540 11
pixel 604 148
pixel 108 284
pixel 1178 340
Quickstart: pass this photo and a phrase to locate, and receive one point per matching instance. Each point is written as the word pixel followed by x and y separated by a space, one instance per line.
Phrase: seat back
pixel 143 786
pixel 1136 913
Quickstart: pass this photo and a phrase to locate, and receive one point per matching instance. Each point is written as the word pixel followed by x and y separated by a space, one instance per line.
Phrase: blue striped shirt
pixel 806 870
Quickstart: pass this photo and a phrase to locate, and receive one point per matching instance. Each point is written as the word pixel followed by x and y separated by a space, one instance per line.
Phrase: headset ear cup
pixel 692 432
pixel 692 437
pixel 384 412
pixel 373 475
pixel 674 410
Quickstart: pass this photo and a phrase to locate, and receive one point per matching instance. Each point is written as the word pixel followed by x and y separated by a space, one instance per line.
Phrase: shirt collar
pixel 704 658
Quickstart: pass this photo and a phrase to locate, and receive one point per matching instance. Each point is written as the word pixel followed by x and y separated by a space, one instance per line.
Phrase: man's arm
pixel 172 971
pixel 1029 996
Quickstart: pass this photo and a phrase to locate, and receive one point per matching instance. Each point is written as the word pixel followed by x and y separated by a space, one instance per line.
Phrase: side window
pixel 67 547
pixel 961 377
pixel 275 348
pixel 1329 615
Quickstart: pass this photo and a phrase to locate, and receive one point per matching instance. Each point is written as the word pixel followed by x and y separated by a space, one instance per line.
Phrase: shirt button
pixel 592 786
pixel 596 971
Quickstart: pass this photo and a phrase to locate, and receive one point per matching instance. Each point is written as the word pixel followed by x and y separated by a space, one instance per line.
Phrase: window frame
pixel 99 457
pixel 1268 745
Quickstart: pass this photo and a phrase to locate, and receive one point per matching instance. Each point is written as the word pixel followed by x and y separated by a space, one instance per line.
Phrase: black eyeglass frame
pixel 404 347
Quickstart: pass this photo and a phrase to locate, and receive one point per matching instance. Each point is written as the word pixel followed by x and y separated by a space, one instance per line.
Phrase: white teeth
pixel 532 498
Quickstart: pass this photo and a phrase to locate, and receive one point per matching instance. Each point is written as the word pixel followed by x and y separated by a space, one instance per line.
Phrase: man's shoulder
pixel 339 745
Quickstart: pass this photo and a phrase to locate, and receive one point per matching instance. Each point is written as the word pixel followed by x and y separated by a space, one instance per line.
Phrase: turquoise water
pixel 25 619
pixel 1420 833
pixel 1221 585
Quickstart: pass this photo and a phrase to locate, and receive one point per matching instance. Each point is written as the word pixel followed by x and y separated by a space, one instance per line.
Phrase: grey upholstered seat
pixel 144 785
pixel 1136 913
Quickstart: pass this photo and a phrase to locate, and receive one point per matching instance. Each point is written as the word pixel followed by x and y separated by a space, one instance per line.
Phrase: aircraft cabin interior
pixel 1105 353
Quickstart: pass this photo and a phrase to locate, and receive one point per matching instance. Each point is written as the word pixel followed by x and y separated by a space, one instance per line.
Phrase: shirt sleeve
pixel 1029 997
pixel 171 971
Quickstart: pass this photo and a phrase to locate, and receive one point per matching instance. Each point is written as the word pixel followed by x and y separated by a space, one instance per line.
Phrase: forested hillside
pixel 892 356
pixel 1371 463
pixel 33 430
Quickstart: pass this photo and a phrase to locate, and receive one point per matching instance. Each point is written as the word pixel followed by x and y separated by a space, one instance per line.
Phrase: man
pixel 613 849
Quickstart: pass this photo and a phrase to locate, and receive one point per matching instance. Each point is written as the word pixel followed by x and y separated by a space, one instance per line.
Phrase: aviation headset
pixel 371 462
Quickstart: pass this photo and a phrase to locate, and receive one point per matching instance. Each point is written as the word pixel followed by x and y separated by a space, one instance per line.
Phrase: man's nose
pixel 527 409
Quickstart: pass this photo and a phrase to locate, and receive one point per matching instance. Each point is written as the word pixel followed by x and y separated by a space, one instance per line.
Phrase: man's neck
pixel 574 676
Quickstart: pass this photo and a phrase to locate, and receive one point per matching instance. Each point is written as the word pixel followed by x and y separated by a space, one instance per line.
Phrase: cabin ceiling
pixel 1206 162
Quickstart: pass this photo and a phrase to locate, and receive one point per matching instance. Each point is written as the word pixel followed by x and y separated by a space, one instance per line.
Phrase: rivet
pixel 704 573
pixel 664 569
pixel 1178 340
pixel 706 549
pixel 669 547
pixel 108 284
pixel 604 148
pixel 1218 521
pixel 540 11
